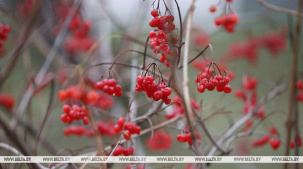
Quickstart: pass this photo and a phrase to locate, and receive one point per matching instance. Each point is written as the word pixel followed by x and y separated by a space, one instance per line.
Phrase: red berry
pixel 275 143
pixel 167 100
pixel 149 79
pixel 85 120
pixel 299 84
pixel 212 9
pixel 119 150
pixel 66 109
pixel 273 130
pixel 170 18
pixel 127 136
pixel 292 144
pixel 152 34
pixel 121 121
pixel 220 88
pixel 158 95
pixel 227 89
pixel 154 13
pixel 167 91
pixel 7 101
pixel 112 82
pixel 117 128
pixel 218 21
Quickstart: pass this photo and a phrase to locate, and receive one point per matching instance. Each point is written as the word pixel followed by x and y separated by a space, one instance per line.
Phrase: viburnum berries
pixel 104 128
pixel 275 143
pixel 249 95
pixel 74 113
pixel 7 101
pixel 178 108
pixel 296 142
pixel 125 151
pixel 186 137
pixel 299 85
pixel 261 141
pixel 79 40
pixel 78 94
pixel 129 126
pixel 110 87
pixel 227 20
pixel 4 31
pixel 209 80
pixel 154 90
pixel 212 9
pixel 160 141
pixel 274 42
pixel 75 130
pixel 159 38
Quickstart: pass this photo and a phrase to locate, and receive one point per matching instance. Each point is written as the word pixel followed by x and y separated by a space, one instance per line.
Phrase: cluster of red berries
pixel 79 41
pixel 105 129
pixel 178 108
pixel 104 101
pixel 158 39
pixel 299 85
pixel 4 30
pixel 75 130
pixel 164 23
pixel 7 101
pixel 79 94
pixel 261 141
pixel 274 142
pixel 129 126
pixel 110 87
pixel 186 137
pixel 206 80
pixel 160 141
pixel 274 42
pixel 249 95
pixel 25 8
pixel 228 21
pixel 247 50
pixel 74 113
pixel 265 139
pixel 296 142
pixel 152 89
pixel 201 39
pixel 201 64
pixel 125 151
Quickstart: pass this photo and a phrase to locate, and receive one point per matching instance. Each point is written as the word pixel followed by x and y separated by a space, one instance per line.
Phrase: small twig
pixel 279 9
pixel 48 109
pixel 272 93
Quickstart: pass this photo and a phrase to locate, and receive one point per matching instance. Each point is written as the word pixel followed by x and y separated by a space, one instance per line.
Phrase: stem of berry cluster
pixel 293 90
